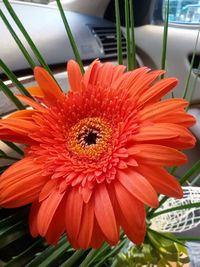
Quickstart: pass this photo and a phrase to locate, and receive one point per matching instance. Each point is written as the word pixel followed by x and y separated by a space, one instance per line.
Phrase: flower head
pixel 95 156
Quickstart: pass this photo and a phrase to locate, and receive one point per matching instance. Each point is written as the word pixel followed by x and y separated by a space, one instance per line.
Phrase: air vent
pixel 108 39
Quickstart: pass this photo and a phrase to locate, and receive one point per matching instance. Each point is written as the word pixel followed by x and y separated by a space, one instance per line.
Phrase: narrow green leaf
pixel 185 91
pixel 74 258
pixel 14 147
pixel 14 79
pixel 183 207
pixel 128 45
pixel 165 35
pixel 11 233
pixel 119 33
pixel 17 40
pixel 70 36
pixel 190 172
pixel 50 255
pixel 194 239
pixel 112 253
pixel 163 235
pixel 133 48
pixel 195 180
pixel 89 258
pixel 24 257
pixel 6 90
pixel 26 35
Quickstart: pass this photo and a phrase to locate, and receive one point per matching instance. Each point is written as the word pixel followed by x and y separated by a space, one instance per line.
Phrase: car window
pixel 184 11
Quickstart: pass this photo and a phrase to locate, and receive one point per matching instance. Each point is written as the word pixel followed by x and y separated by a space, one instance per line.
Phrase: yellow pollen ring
pixel 89 137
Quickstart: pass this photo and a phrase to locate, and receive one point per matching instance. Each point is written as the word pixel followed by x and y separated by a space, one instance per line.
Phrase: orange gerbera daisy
pixel 95 156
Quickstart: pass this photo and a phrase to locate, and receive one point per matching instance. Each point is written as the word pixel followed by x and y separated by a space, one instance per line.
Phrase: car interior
pixel 93 26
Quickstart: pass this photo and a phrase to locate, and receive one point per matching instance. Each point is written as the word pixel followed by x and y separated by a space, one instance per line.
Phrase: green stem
pixel 14 79
pixel 70 36
pixel 133 48
pixel 73 259
pixel 14 147
pixel 119 33
pixel 5 89
pixel 26 36
pixel 165 34
pixel 128 46
pixel 89 258
pixel 183 207
pixel 17 40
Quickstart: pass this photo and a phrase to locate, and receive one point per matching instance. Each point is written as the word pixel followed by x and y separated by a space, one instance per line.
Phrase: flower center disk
pixel 89 137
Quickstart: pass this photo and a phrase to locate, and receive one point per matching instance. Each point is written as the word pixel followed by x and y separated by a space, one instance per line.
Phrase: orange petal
pixel 127 80
pixel 21 183
pixel 140 86
pixel 35 91
pixel 105 75
pixel 31 102
pixel 23 114
pixel 159 155
pixel 117 72
pixel 156 91
pixel 57 225
pixel 154 132
pixel 166 134
pixel 47 211
pixel 74 75
pixel 73 213
pixel 97 236
pixel 91 72
pixel 51 90
pixel 6 134
pixel 178 117
pixel 105 214
pixel 161 180
pixel 138 186
pixel 131 214
pixel 22 127
pixel 87 224
pixel 162 108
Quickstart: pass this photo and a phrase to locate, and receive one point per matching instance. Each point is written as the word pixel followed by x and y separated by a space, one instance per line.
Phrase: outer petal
pixel 23 114
pixel 97 236
pixel 74 75
pixel 31 103
pixel 21 183
pixel 57 225
pixel 167 134
pixel 161 180
pixel 158 110
pixel 73 213
pixel 87 225
pixel 22 127
pixel 35 91
pixel 105 214
pixel 157 91
pixel 91 73
pixel 47 211
pixel 159 155
pixel 51 90
pixel 138 186
pixel 131 214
